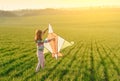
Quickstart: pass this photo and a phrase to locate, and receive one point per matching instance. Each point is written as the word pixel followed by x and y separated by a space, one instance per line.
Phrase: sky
pixel 41 4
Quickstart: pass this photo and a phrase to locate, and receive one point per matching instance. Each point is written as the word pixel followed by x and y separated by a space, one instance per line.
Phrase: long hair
pixel 38 35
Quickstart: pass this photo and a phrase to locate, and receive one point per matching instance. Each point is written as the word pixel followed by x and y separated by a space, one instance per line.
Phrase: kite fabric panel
pixel 47 47
pixel 60 43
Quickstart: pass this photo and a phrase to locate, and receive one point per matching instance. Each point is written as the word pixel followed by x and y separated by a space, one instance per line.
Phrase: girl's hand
pixel 52 39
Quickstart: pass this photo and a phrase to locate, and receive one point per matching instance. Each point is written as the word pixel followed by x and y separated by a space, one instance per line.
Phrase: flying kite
pixel 54 46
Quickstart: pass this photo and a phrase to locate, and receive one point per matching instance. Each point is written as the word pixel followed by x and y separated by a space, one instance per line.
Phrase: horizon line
pixel 84 7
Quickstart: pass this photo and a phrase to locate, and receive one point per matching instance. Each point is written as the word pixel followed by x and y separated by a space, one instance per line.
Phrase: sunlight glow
pixel 37 4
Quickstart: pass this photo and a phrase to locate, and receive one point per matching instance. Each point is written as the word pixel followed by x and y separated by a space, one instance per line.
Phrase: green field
pixel 95 55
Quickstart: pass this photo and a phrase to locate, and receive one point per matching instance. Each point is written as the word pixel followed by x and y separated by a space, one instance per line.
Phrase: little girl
pixel 40 47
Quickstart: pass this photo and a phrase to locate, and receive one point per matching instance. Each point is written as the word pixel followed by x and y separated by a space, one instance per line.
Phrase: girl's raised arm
pixel 44 31
pixel 48 40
